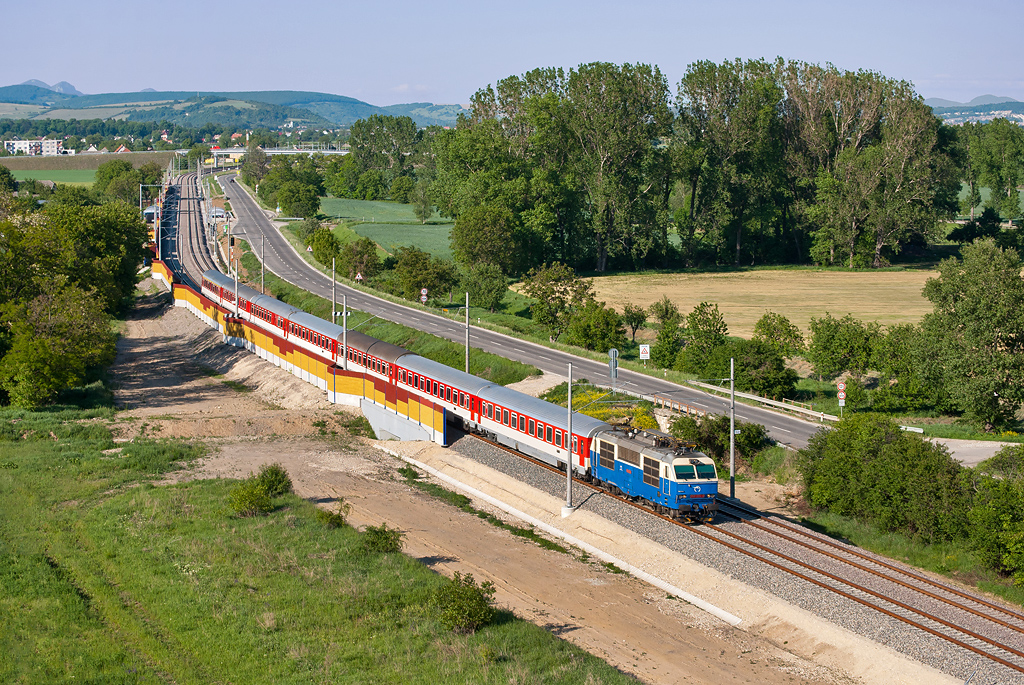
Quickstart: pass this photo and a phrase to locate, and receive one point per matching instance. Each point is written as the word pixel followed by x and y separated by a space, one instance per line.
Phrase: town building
pixel 42 147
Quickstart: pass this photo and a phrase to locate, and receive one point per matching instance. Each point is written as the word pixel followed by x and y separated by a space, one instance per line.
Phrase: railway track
pixel 186 249
pixel 962 619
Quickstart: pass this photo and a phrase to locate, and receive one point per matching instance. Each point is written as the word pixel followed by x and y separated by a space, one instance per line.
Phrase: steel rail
pixel 892 567
pixel 802 576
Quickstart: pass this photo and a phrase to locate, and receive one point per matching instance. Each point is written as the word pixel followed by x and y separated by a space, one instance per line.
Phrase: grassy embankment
pixel 83 162
pixel 106 578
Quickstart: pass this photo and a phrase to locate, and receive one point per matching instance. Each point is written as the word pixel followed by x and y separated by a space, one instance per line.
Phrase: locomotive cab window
pixel 705 471
pixel 685 472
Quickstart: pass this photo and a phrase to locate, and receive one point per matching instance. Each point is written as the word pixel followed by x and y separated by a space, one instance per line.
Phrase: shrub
pixel 643 417
pixel 275 479
pixel 868 468
pixel 382 540
pixel 333 519
pixel 462 605
pixel 250 498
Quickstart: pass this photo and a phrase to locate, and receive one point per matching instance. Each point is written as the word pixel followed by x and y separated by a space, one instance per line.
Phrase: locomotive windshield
pixel 695 471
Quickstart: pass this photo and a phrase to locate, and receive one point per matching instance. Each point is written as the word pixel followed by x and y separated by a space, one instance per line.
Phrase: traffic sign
pixel 423 299
pixel 359 276
pixel 841 395
pixel 841 385
pixel 423 291
pixel 842 403
pixel 613 353
pixel 645 351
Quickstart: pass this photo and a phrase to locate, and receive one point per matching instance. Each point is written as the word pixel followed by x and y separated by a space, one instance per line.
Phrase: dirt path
pixel 164 368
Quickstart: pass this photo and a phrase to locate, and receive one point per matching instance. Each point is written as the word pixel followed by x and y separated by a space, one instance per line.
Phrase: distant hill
pixel 436 115
pixel 959 114
pixel 31 95
pixel 250 109
pixel 976 102
pixel 236 113
pixel 62 87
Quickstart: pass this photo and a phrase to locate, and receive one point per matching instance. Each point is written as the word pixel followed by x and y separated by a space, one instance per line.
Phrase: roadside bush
pixel 711 433
pixel 866 467
pixel 250 498
pixel 777 462
pixel 334 519
pixel 382 540
pixel 275 479
pixel 462 605
pixel 643 417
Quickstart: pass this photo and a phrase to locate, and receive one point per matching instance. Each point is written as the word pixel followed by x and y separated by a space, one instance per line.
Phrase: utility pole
pixel 263 261
pixel 568 508
pixel 344 330
pixel 467 332
pixel 732 427
pixel 334 296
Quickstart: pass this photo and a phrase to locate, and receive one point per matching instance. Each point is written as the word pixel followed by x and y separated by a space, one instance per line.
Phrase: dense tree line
pixel 752 162
pixel 64 270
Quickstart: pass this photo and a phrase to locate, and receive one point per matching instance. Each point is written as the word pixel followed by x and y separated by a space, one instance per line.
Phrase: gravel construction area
pixel 917 644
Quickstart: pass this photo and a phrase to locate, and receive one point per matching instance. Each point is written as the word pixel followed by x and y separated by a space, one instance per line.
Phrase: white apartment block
pixel 44 148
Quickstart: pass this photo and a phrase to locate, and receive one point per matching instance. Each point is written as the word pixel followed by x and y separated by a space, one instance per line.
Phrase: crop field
pixel 70 176
pixel 369 211
pixel 10 110
pixel 432 238
pixel 889 297
pixel 72 162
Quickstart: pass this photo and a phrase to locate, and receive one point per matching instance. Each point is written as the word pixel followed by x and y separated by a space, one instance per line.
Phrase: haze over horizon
pixel 403 52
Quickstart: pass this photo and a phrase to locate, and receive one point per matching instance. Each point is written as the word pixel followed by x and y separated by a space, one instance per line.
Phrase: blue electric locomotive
pixel 665 473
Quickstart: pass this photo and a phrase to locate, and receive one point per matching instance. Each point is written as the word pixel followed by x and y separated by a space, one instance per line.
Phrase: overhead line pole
pixel 467 332
pixel 568 508
pixel 732 427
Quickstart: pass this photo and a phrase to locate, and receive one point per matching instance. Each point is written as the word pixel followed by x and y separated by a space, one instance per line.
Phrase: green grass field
pixel 432 238
pixel 79 177
pixel 106 578
pixel 358 211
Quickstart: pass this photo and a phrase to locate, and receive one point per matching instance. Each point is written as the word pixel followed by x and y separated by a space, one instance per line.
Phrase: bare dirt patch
pixel 889 297
pixel 165 367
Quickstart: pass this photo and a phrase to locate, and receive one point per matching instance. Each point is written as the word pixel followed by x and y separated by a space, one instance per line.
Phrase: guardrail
pixel 821 416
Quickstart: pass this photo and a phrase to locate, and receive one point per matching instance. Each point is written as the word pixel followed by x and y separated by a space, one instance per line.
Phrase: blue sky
pixel 443 51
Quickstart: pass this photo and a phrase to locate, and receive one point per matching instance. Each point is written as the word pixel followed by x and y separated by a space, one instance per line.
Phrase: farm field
pixel 70 176
pixel 369 211
pixel 11 110
pixel 432 238
pixel 889 297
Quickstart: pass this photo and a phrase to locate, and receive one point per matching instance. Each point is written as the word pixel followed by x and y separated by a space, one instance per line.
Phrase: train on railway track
pixel 666 474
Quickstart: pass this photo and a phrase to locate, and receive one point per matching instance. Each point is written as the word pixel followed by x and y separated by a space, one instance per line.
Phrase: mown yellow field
pixel 889 297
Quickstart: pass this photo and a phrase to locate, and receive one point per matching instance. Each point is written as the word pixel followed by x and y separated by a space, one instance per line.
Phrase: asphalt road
pixel 282 260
